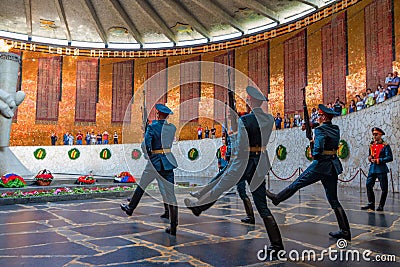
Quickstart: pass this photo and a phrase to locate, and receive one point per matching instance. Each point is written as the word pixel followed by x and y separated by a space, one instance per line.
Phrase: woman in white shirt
pixel 360 103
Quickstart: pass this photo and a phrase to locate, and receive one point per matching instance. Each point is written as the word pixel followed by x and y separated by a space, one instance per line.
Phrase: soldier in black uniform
pixel 325 168
pixel 249 163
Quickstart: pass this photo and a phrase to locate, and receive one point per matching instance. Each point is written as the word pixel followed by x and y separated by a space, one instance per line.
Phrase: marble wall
pixel 355 130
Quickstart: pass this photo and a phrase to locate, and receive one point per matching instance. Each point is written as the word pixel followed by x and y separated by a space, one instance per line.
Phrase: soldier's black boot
pixel 195 208
pixel 281 196
pixel 173 212
pixel 249 212
pixel 165 215
pixel 134 201
pixel 344 226
pixel 371 200
pixel 274 237
pixel 382 201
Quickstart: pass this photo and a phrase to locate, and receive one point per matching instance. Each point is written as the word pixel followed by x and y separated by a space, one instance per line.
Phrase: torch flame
pixel 4 47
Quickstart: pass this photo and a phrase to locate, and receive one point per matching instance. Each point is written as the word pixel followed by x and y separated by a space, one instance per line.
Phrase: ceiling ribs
pixel 131 26
pixel 96 19
pixel 188 16
pixel 157 19
pixel 63 18
pixel 314 3
pixel 28 14
pixel 262 9
pixel 213 8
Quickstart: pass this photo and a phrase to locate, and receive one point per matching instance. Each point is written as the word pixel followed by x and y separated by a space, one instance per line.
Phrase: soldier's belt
pixel 161 151
pixel 257 148
pixel 329 152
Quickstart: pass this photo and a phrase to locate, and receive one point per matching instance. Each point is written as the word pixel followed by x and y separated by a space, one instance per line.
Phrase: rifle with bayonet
pixel 145 124
pixel 231 99
pixel 307 125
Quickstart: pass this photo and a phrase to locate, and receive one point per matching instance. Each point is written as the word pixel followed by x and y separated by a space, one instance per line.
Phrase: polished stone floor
pixel 97 233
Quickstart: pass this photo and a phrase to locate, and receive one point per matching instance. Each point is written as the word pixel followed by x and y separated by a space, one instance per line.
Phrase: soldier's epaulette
pixel 384 143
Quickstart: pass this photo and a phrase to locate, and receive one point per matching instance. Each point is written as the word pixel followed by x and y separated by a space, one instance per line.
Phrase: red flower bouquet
pixel 11 180
pixel 44 178
pixel 124 177
pixel 85 179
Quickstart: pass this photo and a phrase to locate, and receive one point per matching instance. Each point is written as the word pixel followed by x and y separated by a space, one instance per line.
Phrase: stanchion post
pixel 391 179
pixel 360 181
pixel 269 180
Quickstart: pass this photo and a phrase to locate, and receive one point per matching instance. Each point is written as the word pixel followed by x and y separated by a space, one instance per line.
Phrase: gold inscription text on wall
pixel 105 53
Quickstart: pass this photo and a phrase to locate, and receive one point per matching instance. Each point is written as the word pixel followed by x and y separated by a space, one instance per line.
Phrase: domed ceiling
pixel 145 23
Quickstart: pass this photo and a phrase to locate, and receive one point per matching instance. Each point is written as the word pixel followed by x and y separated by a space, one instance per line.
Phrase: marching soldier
pixel 249 163
pixel 158 141
pixel 325 168
pixel 380 153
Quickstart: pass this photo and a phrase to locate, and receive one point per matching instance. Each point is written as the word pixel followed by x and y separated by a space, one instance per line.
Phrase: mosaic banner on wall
pixel 221 77
pixel 190 91
pixel 334 53
pixel 295 71
pixel 156 87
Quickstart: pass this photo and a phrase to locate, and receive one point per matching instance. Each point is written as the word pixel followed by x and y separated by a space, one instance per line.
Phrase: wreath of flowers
pixel 343 150
pixel 74 154
pixel 40 153
pixel 124 177
pixel 193 153
pixel 44 178
pixel 281 152
pixel 308 154
pixel 105 153
pixel 12 180
pixel 136 154
pixel 85 179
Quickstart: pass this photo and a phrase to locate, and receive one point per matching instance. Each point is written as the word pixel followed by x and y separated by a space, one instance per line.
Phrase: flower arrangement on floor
pixel 44 178
pixel 85 179
pixel 65 191
pixel 124 177
pixel 12 180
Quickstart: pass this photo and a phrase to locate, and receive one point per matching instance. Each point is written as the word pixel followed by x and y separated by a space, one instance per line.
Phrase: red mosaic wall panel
pixel 258 58
pixel 378 17
pixel 295 69
pixel 48 88
pixel 122 91
pixel 156 86
pixel 334 50
pixel 190 75
pixel 87 86
pixel 221 82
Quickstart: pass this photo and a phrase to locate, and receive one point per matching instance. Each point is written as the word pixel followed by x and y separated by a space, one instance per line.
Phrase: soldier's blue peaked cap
pixel 327 110
pixel 255 93
pixel 164 109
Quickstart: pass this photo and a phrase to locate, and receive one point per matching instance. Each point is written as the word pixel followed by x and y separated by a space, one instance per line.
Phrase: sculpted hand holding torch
pixel 9 100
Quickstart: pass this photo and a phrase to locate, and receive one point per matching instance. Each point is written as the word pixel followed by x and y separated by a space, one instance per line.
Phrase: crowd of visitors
pixel 88 138
pixel 365 100
pixel 206 132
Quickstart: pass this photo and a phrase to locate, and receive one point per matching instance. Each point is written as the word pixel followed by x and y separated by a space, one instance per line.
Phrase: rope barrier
pixel 283 179
pixel 351 179
pixel 362 171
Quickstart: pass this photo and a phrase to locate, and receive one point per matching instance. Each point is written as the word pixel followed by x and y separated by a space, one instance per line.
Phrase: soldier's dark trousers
pixel 383 180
